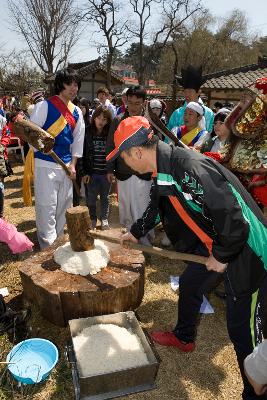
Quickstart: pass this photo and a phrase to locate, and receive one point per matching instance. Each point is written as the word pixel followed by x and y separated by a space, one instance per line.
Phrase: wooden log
pixel 79 225
pixel 62 296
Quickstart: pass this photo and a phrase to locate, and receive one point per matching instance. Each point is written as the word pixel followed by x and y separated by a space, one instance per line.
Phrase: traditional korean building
pixel 227 85
pixel 94 75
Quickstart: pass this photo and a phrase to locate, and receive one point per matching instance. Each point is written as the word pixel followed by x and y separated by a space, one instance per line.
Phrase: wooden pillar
pixel 93 86
pixel 79 224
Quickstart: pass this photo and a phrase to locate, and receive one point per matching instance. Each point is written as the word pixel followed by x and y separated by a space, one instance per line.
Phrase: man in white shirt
pixel 102 95
pixel 53 188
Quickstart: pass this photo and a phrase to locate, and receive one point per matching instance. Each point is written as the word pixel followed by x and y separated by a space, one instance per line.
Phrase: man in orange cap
pixel 204 210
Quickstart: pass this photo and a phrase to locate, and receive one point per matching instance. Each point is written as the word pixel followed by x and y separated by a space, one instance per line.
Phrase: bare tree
pixel 50 29
pixel 173 14
pixel 16 75
pixel 234 27
pixel 142 8
pixel 105 13
pixel 177 13
pixel 205 40
pixel 261 45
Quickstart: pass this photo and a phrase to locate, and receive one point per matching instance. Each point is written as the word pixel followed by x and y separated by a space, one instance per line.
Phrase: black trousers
pixel 245 325
pixel 195 282
pixel 243 313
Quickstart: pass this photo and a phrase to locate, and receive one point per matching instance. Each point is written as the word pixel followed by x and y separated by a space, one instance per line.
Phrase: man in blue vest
pixel 52 187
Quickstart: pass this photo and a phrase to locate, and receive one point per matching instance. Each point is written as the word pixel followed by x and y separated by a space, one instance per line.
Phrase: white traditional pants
pixel 53 195
pixel 134 197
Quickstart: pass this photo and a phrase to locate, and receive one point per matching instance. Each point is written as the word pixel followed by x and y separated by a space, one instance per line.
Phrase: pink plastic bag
pixel 16 241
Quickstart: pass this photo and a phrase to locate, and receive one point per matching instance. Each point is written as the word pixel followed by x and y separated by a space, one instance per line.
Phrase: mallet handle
pixel 172 255
pixel 66 169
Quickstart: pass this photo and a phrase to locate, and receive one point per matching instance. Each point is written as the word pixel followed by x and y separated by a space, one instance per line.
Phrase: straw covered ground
pixel 209 373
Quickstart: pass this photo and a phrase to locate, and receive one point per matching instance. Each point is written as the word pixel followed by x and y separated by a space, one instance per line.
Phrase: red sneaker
pixel 169 339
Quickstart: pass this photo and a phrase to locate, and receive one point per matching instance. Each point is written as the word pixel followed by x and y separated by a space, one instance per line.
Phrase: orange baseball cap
pixel 132 131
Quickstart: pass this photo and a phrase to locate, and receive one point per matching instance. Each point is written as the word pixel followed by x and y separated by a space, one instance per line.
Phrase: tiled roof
pixel 82 64
pixel 93 66
pixel 236 78
pixel 83 68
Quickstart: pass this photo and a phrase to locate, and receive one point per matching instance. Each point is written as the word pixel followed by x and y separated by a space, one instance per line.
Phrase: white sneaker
pixel 104 225
pixel 165 241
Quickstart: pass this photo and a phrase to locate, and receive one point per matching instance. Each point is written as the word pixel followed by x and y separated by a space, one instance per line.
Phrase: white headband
pixel 193 105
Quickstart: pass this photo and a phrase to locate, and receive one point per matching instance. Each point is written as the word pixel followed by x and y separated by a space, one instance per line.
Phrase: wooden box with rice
pixel 111 357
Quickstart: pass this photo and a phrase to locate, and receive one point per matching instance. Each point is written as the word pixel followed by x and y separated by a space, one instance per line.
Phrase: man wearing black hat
pixel 191 80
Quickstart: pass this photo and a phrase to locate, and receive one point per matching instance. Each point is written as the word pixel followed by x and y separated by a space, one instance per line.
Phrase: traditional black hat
pixel 191 77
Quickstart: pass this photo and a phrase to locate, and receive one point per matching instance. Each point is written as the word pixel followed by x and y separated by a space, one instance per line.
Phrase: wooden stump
pixel 79 224
pixel 62 296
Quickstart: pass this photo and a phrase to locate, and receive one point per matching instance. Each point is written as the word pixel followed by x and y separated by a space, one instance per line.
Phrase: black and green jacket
pixel 198 199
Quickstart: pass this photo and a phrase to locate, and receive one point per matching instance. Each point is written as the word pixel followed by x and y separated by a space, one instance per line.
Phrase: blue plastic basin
pixel 33 360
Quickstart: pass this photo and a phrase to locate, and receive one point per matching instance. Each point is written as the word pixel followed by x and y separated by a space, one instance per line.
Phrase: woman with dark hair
pixel 92 166
pixel 219 134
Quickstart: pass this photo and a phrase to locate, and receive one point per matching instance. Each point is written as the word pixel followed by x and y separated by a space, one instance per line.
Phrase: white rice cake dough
pixel 105 348
pixel 82 262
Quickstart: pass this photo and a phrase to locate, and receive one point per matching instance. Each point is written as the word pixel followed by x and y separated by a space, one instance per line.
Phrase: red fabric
pixel 259 192
pixel 5 140
pixel 261 84
pixel 183 130
pixel 63 109
pixel 5 101
pixel 12 135
pixel 215 156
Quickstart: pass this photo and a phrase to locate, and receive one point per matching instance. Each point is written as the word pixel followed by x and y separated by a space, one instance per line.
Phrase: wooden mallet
pixel 40 140
pixel 157 251
pixel 82 237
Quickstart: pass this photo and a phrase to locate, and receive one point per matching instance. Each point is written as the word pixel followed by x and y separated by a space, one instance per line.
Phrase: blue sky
pixel 256 11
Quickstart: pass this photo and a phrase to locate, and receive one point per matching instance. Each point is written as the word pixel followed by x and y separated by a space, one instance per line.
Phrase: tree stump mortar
pixel 62 296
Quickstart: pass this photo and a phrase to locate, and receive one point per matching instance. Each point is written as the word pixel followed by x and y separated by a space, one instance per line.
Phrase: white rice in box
pixel 105 348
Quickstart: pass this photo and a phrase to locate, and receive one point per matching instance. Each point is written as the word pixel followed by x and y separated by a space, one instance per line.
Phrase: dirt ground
pixel 209 373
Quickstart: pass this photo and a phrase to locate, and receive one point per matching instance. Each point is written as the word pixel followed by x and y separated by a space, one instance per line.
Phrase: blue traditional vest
pixel 60 122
